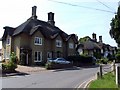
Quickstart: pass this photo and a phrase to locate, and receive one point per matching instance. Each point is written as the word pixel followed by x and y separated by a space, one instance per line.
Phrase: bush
pixel 53 65
pixel 81 60
pixel 104 60
pixel 50 65
pixel 118 57
pixel 9 67
pixel 13 57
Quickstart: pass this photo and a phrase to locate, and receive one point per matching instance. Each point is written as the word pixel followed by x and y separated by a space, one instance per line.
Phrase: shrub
pixel 49 65
pixel 104 60
pixel 118 57
pixel 82 59
pixel 54 65
pixel 13 57
pixel 79 60
pixel 9 67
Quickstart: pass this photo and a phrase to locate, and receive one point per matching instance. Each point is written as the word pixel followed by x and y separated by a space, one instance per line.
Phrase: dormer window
pixel 58 43
pixel 38 41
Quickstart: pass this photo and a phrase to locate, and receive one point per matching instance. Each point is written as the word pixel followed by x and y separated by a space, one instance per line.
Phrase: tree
pixel 115 27
pixel 84 39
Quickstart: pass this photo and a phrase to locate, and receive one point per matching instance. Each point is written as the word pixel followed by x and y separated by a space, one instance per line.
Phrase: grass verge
pixel 108 81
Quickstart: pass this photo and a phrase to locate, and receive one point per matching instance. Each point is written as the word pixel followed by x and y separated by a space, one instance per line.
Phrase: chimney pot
pixel 94 37
pixel 34 12
pixel 100 39
pixel 51 18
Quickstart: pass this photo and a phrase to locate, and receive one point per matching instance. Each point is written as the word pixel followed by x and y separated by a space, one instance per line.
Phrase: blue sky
pixel 71 19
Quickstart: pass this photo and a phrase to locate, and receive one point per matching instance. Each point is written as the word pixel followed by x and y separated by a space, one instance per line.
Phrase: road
pixel 51 79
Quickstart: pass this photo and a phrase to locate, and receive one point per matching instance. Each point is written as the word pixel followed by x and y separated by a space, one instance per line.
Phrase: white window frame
pixel 39 41
pixel 58 43
pixel 37 56
pixel 71 45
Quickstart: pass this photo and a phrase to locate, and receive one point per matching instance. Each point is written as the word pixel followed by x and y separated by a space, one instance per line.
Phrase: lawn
pixel 108 81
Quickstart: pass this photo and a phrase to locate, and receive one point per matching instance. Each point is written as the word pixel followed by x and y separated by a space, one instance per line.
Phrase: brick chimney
pixel 51 18
pixel 100 39
pixel 34 12
pixel 94 37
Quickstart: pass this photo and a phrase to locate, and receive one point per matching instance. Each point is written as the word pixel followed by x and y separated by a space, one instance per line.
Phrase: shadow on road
pixel 14 74
pixel 76 68
pixel 66 69
pixel 92 66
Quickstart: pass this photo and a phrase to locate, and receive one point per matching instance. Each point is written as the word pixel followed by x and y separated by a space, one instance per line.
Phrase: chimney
pixel 94 37
pixel 34 12
pixel 100 39
pixel 118 3
pixel 51 18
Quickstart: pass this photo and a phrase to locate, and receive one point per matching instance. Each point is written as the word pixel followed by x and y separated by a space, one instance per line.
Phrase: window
pixel 8 41
pixel 71 45
pixel 38 56
pixel 58 43
pixel 6 55
pixel 38 41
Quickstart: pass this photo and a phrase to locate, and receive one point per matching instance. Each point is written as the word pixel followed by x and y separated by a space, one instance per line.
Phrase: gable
pixel 38 34
pixel 58 37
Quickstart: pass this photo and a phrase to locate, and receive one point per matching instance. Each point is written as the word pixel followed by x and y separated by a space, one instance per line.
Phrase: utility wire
pixel 105 5
pixel 82 6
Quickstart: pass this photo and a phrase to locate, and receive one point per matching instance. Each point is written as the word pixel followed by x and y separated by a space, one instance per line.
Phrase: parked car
pixel 59 60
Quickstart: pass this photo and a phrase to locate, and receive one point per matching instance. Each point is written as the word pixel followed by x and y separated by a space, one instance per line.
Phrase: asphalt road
pixel 51 79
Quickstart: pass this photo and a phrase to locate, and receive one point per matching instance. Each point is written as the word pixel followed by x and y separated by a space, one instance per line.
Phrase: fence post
pixel 114 67
pixel 100 71
pixel 118 75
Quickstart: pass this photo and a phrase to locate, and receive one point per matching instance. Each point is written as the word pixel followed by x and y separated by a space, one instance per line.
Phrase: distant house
pixel 92 48
pixel 35 40
pixel 0 52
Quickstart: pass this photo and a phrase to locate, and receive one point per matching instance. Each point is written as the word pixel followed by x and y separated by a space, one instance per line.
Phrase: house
pixel 92 47
pixel 35 41
pixel 0 52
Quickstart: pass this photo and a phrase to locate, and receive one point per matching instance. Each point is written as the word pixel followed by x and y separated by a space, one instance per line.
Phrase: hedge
pixel 53 65
pixel 80 59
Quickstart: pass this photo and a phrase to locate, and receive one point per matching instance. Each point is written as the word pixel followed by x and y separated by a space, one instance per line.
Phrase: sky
pixel 69 18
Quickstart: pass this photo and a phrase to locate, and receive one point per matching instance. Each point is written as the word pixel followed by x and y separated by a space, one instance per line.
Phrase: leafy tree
pixel 84 39
pixel 115 27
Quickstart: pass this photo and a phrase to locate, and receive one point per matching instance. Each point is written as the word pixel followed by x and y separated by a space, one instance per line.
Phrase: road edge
pixel 86 83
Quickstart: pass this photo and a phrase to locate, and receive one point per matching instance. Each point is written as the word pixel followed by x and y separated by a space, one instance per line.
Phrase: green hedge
pixel 118 57
pixel 81 59
pixel 53 65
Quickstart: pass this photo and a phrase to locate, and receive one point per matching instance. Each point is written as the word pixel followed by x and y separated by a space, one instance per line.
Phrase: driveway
pixel 70 78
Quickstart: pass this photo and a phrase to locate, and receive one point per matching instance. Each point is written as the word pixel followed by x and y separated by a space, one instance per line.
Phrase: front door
pixel 26 57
